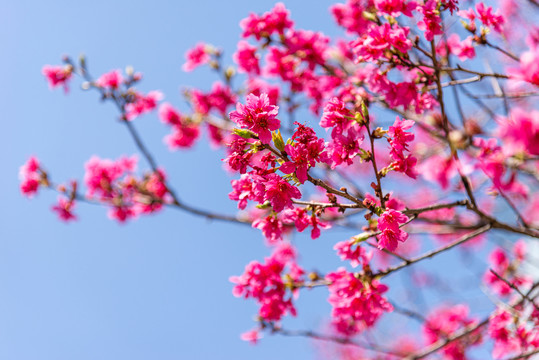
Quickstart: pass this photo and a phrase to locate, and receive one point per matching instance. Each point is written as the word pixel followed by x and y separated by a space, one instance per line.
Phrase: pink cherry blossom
pixel 336 116
pixel 358 256
pixel 350 15
pixel 513 334
pixel 356 304
pixel 246 58
pixel 489 18
pixel 399 138
pixel 57 75
pixel 30 177
pixel 275 21
pixel 395 7
pixel 529 67
pixel 271 227
pixel 304 153
pixel 302 220
pixel 264 283
pixel 252 336
pixel 256 86
pixel 219 98
pixel 196 57
pixel 142 104
pixel 279 192
pixel 374 44
pixel 344 148
pixel 431 23
pixel 258 116
pixel 462 49
pixel 111 80
pixel 444 322
pixel 391 233
pixel 64 209
pixel 184 133
pixel 499 262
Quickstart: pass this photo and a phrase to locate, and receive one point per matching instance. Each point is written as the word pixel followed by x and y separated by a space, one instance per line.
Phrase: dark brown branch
pixel 512 286
pixel 444 342
pixel 525 355
pixel 461 334
pixel 432 253
pixel 339 340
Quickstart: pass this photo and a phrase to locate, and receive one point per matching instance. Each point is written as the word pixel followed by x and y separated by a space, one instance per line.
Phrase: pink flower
pixel 57 75
pixel 357 256
pixel 431 22
pixel 447 321
pixel 275 21
pixel 141 104
pixel 252 336
pixel 281 63
pixel 350 16
pixel 395 7
pixel 488 18
pixel 258 116
pixel 271 227
pixel 462 49
pixel 302 220
pixel 471 16
pixel 101 174
pixel 344 147
pixel 438 169
pixel 242 191
pixel 111 80
pixel 246 58
pixel 64 209
pixel 264 283
pixel 114 183
pixel 279 192
pixel 182 137
pixel 256 86
pixel 151 193
pixel 305 152
pixel 310 46
pixel 374 44
pixel 398 139
pixel 513 334
pixel 219 98
pixel 529 67
pixel 500 263
pixel 121 213
pixel 169 115
pixel 337 116
pixel 505 341
pixel 356 304
pixel 238 158
pixel 216 136
pixel 30 177
pixel 184 133
pixel 196 56
pixel 389 224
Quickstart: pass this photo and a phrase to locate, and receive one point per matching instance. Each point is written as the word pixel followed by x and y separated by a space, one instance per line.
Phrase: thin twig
pixel 512 286
pixel 432 253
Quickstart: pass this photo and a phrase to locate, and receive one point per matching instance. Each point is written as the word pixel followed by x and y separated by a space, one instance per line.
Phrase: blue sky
pixel 156 288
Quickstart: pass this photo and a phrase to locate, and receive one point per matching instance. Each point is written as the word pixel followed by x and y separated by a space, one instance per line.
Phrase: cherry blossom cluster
pixel 445 322
pixel 389 133
pixel 357 303
pixel 113 182
pixel 502 266
pixel 270 285
pixel 514 332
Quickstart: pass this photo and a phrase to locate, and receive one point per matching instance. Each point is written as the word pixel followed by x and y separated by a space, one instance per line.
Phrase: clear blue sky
pixel 156 288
